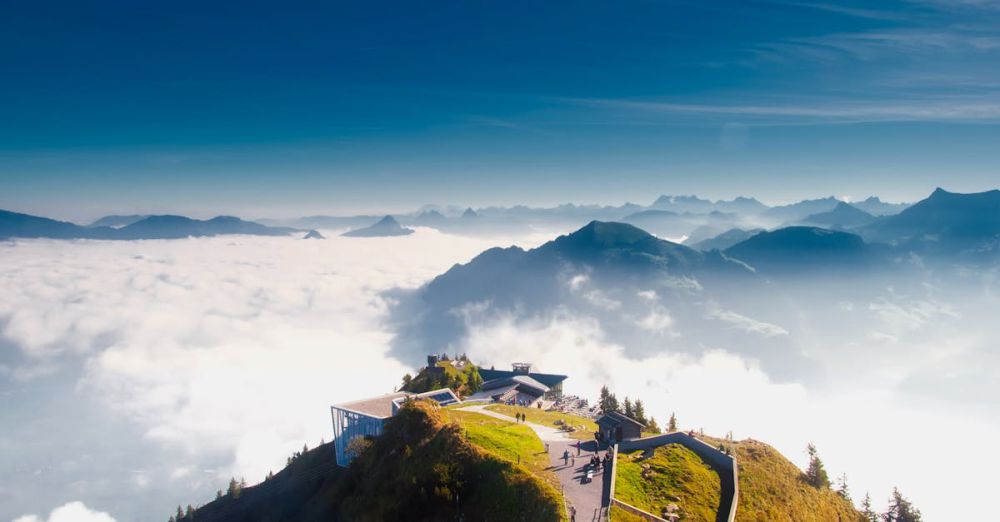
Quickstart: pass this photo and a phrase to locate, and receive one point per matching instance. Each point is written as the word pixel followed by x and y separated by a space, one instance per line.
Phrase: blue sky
pixel 286 109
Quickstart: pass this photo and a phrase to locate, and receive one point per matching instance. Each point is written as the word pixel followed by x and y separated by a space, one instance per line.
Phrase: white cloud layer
pixel 71 512
pixel 206 358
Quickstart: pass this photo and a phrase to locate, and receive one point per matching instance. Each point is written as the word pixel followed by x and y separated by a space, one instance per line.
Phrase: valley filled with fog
pixel 140 375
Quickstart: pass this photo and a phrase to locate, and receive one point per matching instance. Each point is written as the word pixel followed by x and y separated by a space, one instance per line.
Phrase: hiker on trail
pixel 572 514
pixel 566 456
pixel 546 447
pixel 577 447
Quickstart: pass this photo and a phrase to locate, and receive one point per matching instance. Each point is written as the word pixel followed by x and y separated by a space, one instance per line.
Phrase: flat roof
pixel 379 407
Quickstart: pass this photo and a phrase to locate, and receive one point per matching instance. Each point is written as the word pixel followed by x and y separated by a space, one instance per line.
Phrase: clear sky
pixel 290 108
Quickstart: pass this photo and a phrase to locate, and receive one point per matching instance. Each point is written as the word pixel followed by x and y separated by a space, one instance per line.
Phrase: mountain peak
pixel 609 233
pixel 469 213
pixel 387 226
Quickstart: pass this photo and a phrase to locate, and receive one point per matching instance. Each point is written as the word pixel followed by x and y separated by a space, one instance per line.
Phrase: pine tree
pixel 628 409
pixel 868 514
pixel 270 475
pixel 639 411
pixel 189 515
pixel 653 427
pixel 672 423
pixel 842 487
pixel 900 509
pixel 475 381
pixel 407 379
pixel 218 494
pixel 232 492
pixel 305 448
pixel 180 513
pixel 172 519
pixel 816 474
pixel 605 402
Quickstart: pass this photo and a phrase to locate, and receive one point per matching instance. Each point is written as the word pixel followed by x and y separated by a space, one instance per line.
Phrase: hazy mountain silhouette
pixel 844 215
pixel 13 224
pixel 945 223
pixel 796 212
pixel 469 213
pixel 800 249
pixel 725 239
pixel 741 205
pixel 174 227
pixel 153 227
pixel 386 227
pixel 313 234
pixel 430 218
pixel 876 207
pixel 117 221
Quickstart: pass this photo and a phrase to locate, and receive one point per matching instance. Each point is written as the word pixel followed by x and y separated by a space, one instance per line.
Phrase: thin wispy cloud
pixel 831 111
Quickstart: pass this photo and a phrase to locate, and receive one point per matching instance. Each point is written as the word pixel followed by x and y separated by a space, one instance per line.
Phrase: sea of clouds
pixel 140 375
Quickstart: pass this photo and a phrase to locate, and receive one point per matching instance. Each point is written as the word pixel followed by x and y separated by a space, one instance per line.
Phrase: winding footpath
pixel 589 498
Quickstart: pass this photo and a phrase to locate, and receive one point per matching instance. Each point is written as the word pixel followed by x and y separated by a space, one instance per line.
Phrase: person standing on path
pixel 577 447
pixel 566 457
pixel 572 514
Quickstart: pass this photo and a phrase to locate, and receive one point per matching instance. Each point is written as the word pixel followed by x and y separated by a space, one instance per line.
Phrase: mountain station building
pixel 366 418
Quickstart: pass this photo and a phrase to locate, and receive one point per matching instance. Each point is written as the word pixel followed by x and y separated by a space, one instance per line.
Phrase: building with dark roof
pixel 366 417
pixel 616 427
pixel 551 381
pixel 521 390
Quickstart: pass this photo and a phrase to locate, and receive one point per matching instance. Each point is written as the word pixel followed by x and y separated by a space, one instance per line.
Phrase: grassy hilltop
pixel 423 467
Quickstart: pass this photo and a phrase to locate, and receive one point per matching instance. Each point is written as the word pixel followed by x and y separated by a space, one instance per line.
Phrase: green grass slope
pixel 584 428
pixel 675 475
pixel 773 489
pixel 422 468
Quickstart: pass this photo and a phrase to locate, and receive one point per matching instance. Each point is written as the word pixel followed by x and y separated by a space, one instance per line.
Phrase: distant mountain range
pixel 385 227
pixel 13 224
pixel 115 221
pixel 669 216
pixel 843 216
pixel 946 223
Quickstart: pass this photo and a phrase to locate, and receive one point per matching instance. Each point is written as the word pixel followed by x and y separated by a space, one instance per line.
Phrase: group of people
pixel 597 462
pixel 521 417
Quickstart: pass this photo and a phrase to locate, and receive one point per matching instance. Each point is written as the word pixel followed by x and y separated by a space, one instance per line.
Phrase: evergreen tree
pixel 842 487
pixel 232 492
pixel 816 474
pixel 189 514
pixel 672 423
pixel 639 411
pixel 218 494
pixel 475 381
pixel 270 475
pixel 305 448
pixel 605 401
pixel 180 513
pixel 172 519
pixel 407 380
pixel 629 412
pixel 900 509
pixel 653 427
pixel 868 514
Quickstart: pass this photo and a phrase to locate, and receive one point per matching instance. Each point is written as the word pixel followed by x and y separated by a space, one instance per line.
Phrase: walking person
pixel 577 447
pixel 572 514
pixel 566 457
